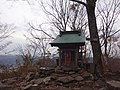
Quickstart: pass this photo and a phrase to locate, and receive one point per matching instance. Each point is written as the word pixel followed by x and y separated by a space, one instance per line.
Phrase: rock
pixel 102 88
pixel 70 73
pixel 11 81
pixel 37 75
pixel 53 77
pixel 113 85
pixel 86 88
pixel 6 87
pixel 1 83
pixel 62 88
pixel 75 75
pixel 45 71
pixel 22 83
pixel 27 87
pixel 66 69
pixel 79 78
pixel 86 75
pixel 59 71
pixel 56 88
pixel 58 75
pixel 42 80
pixel 38 81
pixel 31 82
pixel 31 87
pixel 65 79
pixel 100 83
pixel 76 89
pixel 4 81
pixel 46 80
pixel 58 68
pixel 30 76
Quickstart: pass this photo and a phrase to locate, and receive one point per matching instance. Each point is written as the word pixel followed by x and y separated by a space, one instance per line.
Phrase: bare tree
pixel 95 42
pixel 39 40
pixel 28 54
pixel 5 31
pixel 108 18
pixel 64 14
pixel 77 18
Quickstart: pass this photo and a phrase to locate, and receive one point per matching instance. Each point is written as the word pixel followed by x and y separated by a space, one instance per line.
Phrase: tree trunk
pixel 98 68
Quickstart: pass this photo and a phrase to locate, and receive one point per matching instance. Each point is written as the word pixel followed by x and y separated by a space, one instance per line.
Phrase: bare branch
pixel 41 30
pixel 80 2
pixel 114 33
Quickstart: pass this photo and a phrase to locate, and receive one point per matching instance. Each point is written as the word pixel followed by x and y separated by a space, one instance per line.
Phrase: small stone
pixel 29 76
pixel 86 88
pixel 59 71
pixel 100 83
pixel 65 79
pixel 75 75
pixel 37 75
pixel 79 78
pixel 53 77
pixel 67 69
pixel 70 73
pixel 46 80
pixel 103 88
pixel 86 75
pixel 38 81
pixel 31 87
pixel 27 87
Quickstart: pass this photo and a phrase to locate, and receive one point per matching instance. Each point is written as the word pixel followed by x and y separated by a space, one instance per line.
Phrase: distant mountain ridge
pixel 9 59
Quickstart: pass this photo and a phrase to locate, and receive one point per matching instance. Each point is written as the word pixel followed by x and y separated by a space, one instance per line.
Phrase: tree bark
pixel 98 68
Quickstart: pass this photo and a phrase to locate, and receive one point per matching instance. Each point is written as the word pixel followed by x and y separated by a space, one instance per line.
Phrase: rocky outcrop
pixel 58 79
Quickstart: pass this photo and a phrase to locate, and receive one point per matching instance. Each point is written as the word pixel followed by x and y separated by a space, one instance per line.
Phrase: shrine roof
pixel 69 37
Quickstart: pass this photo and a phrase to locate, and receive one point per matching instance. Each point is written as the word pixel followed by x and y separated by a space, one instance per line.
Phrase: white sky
pixel 19 13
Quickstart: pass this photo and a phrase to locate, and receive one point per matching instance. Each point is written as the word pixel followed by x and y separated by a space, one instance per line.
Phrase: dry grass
pixel 22 71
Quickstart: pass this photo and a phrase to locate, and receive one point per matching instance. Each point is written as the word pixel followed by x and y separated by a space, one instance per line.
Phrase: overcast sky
pixel 20 13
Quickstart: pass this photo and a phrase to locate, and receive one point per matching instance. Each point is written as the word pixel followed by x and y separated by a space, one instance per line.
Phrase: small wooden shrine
pixel 70 45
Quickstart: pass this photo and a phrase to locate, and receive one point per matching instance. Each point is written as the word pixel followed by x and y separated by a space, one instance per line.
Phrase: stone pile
pixel 58 79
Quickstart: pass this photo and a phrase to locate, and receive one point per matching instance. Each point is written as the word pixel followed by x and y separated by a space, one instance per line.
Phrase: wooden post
pixel 76 57
pixel 59 57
